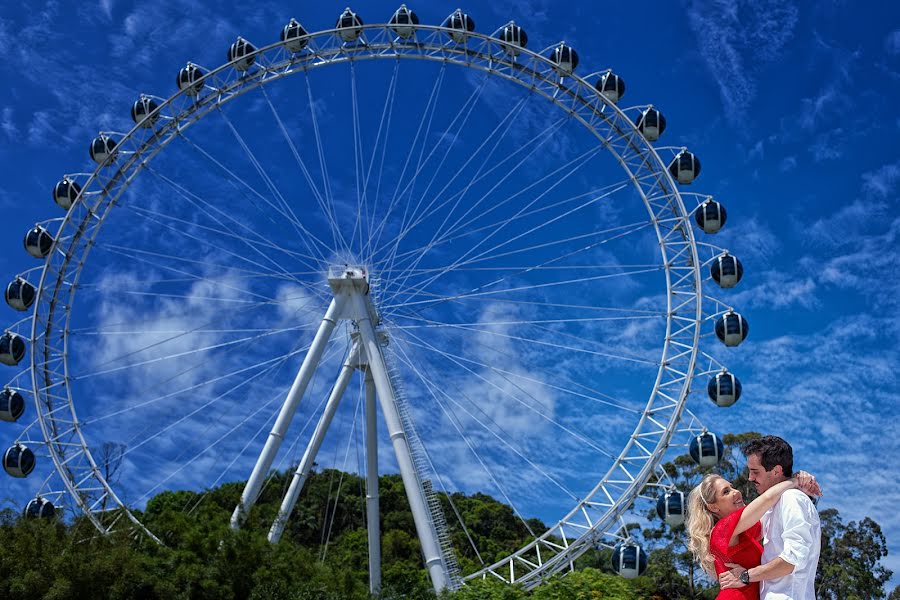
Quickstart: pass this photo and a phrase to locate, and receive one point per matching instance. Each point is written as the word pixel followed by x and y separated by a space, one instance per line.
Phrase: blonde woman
pixel 722 529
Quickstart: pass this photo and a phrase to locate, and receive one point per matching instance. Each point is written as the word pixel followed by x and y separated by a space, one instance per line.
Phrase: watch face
pixel 745 577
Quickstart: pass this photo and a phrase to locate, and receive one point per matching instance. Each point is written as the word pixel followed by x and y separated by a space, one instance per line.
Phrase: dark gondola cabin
pixel 611 86
pixel 651 123
pixel 293 35
pixel 461 25
pixel 18 461
pixel 629 560
pixel 732 329
pixel 39 508
pixel 565 58
pixel 706 449
pixel 12 349
pixel 189 79
pixel 12 405
pixel 670 508
pixel 143 111
pixel 65 192
pixel 103 148
pixel 685 167
pixel 38 242
pixel 724 389
pixel 514 38
pixel 349 26
pixel 403 22
pixel 20 294
pixel 241 53
pixel 710 216
pixel 726 270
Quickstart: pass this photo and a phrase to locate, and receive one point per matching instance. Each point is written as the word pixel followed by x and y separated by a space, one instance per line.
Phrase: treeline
pixel 323 553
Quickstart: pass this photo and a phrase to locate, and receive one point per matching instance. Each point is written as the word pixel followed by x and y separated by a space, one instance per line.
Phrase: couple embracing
pixel 767 549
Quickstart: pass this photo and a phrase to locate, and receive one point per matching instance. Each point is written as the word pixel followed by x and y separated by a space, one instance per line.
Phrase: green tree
pixel 849 566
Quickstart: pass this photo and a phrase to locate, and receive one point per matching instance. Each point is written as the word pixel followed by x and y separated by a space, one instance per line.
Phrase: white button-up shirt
pixel 792 532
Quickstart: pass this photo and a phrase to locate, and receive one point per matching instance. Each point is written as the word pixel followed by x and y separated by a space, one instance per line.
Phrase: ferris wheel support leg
pixel 309 456
pixel 276 436
pixel 372 501
pixel 421 517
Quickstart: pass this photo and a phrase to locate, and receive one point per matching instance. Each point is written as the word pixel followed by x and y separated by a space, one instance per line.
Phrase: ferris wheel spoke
pixel 331 212
pixel 600 193
pixel 284 210
pixel 557 346
pixel 503 437
pixel 513 267
pixel 138 255
pixel 202 240
pixel 466 227
pixel 481 292
pixel 244 381
pixel 177 355
pixel 416 290
pixel 307 176
pixel 454 130
pixel 254 245
pixel 276 360
pixel 384 125
pixel 500 228
pixel 312 242
pixel 524 153
pixel 255 239
pixel 435 391
pixel 420 289
pixel 361 209
pixel 227 434
pixel 505 375
pixel 585 393
pixel 577 389
pixel 497 135
pixel 423 120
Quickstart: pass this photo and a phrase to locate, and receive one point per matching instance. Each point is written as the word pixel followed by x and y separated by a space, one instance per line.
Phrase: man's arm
pixel 775 568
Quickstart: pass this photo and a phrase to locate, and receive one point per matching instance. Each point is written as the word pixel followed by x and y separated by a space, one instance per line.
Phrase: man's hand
pixel 731 579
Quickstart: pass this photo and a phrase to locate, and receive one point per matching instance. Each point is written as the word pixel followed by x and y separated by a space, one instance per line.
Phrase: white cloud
pixel 8 124
pixel 107 7
pixel 788 163
pixel 882 182
pixel 735 39
pixel 892 42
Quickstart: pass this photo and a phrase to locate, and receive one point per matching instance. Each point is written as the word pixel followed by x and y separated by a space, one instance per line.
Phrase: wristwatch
pixel 745 576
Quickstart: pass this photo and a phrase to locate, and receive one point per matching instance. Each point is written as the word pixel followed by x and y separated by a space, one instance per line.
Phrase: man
pixel 791 530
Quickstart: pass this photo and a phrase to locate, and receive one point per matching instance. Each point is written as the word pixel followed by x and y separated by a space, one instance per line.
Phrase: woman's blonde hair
pixel 700 522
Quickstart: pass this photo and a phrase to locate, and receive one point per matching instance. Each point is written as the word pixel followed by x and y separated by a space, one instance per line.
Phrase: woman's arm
pixel 754 511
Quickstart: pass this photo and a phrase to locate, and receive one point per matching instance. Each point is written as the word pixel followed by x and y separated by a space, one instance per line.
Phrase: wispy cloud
pixel 7 124
pixel 892 42
pixel 883 181
pixel 735 39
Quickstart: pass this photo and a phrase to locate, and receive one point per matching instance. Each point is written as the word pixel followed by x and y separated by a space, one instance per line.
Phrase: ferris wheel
pixel 447 232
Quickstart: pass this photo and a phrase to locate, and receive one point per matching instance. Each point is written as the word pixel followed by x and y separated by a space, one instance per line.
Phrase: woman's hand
pixel 807 483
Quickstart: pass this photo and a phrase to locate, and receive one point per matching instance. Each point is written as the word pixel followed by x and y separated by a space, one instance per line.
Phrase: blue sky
pixel 790 108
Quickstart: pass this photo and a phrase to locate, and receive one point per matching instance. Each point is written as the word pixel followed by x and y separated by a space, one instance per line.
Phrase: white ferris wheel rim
pixel 581 528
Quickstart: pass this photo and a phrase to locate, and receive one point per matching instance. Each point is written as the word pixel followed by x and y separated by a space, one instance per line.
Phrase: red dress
pixel 747 552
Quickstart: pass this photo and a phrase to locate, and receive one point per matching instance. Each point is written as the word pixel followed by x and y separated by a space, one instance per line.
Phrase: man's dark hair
pixel 771 450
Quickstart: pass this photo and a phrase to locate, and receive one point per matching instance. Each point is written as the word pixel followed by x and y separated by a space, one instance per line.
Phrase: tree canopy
pixel 323 553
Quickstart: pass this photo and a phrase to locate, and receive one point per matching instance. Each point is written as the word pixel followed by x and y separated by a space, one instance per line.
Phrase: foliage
pixel 323 554
pixel 848 567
